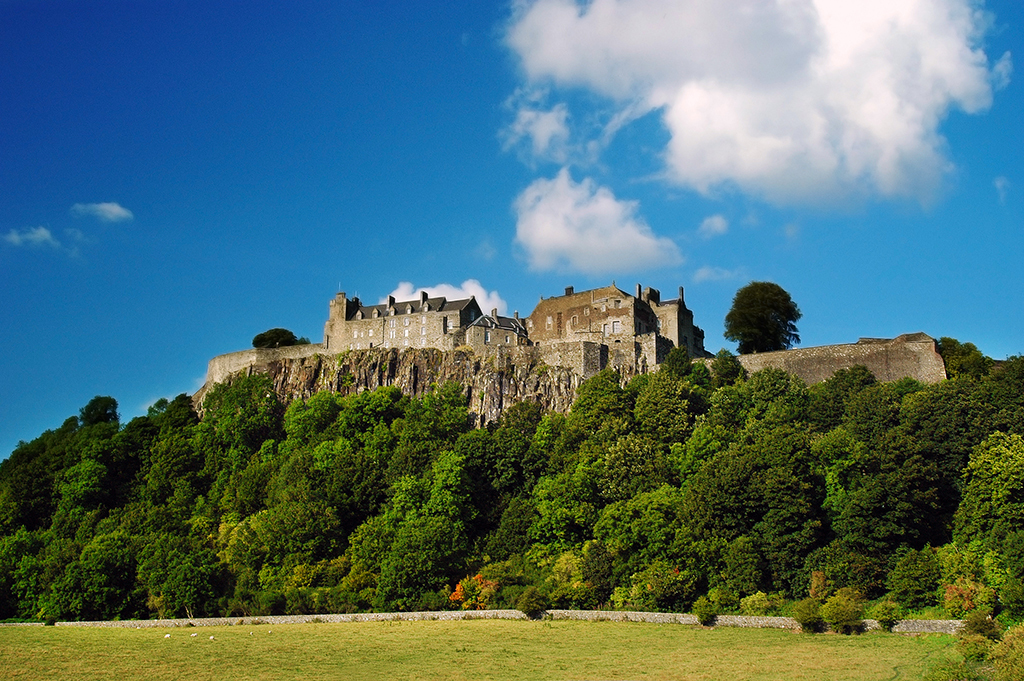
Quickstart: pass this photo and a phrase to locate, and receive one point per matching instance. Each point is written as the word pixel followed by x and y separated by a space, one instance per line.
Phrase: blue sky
pixel 177 176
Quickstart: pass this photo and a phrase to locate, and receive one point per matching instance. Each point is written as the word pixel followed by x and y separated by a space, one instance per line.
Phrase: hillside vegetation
pixel 691 488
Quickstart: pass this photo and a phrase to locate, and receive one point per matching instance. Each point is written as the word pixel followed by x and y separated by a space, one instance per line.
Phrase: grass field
pixel 478 649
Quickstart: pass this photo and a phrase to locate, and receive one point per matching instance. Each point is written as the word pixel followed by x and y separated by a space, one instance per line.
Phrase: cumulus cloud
pixel 799 101
pixel 487 300
pixel 714 225
pixel 36 236
pixel 107 212
pixel 563 224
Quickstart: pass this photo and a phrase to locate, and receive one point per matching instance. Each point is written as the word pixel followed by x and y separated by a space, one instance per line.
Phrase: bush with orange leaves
pixel 474 593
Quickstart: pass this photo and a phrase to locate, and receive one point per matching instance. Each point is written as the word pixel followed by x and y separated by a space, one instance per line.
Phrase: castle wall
pixel 914 355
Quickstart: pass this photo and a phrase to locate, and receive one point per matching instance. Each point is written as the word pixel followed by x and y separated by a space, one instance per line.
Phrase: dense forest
pixel 695 484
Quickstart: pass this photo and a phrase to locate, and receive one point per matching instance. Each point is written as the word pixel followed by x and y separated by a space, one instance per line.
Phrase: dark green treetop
pixel 277 338
pixel 762 319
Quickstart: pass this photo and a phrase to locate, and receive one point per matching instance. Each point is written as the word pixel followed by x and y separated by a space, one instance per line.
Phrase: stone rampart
pixel 914 355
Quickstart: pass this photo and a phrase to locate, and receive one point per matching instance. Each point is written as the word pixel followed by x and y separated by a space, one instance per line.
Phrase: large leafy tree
pixel 277 338
pixel 762 319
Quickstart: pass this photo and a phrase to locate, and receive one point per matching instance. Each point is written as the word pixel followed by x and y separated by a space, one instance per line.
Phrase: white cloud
pixel 714 225
pixel 37 236
pixel 1002 185
pixel 580 226
pixel 547 132
pixel 487 300
pixel 794 100
pixel 1002 71
pixel 107 212
pixel 714 274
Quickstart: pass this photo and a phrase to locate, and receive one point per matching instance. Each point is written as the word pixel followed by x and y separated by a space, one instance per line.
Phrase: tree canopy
pixel 762 319
pixel 675 487
pixel 277 338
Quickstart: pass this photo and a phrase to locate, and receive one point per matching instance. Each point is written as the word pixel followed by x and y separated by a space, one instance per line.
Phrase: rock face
pixel 492 384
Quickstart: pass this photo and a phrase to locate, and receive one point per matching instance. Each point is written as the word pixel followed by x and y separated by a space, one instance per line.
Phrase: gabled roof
pixel 513 324
pixel 439 304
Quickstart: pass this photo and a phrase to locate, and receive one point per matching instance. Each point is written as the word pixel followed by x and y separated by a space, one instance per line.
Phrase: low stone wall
pixel 902 627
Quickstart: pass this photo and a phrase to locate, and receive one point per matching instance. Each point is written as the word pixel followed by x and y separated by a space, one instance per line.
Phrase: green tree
pixel 993 497
pixel 963 359
pixel 762 319
pixel 100 409
pixel 275 338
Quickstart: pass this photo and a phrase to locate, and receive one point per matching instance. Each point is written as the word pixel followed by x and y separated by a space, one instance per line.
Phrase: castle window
pixel 575 320
pixel 616 326
pixel 548 324
pixel 406 320
pixel 407 334
pixel 586 311
pixel 423 319
pixel 391 323
pixel 604 329
pixel 487 336
pixel 355 334
pixel 371 333
pixel 507 339
pixel 423 331
pixel 618 303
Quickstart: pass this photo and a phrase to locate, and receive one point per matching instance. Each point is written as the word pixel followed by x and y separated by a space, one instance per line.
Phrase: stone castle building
pixel 611 316
pixel 421 323
pixel 630 328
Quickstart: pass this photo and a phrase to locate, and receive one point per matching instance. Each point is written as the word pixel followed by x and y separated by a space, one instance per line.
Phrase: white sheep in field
pixel 211 638
pixel 193 635
pixel 167 635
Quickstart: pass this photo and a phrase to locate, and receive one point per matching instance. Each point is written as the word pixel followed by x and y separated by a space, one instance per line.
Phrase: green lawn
pixel 477 649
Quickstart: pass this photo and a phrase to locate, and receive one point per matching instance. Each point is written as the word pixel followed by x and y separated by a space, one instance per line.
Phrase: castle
pixel 607 324
pixel 541 358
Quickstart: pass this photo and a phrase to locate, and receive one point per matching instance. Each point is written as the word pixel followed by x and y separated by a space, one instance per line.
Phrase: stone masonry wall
pixel 912 355
pixel 901 627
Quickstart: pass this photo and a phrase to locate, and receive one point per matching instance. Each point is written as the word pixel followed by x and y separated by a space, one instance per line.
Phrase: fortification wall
pixel 914 355
pixel 223 366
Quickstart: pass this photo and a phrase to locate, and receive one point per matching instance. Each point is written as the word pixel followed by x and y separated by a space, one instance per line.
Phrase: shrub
pixel 966 595
pixel 974 648
pixel 705 611
pixel 1007 657
pixel 757 604
pixel 723 600
pixel 807 613
pixel 913 580
pixel 954 671
pixel 886 613
pixel 532 602
pixel 980 623
pixel 843 612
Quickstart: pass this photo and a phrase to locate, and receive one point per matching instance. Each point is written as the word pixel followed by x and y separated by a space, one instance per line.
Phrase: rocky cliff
pixel 492 384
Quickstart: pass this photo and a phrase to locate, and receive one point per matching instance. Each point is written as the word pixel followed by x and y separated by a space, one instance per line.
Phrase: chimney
pixel 681 302
pixel 568 290
pixel 423 297
pixel 639 291
pixel 494 313
pixel 391 301
pixel 516 314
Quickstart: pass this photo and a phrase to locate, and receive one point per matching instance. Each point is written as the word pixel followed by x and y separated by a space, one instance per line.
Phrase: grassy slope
pixel 462 650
